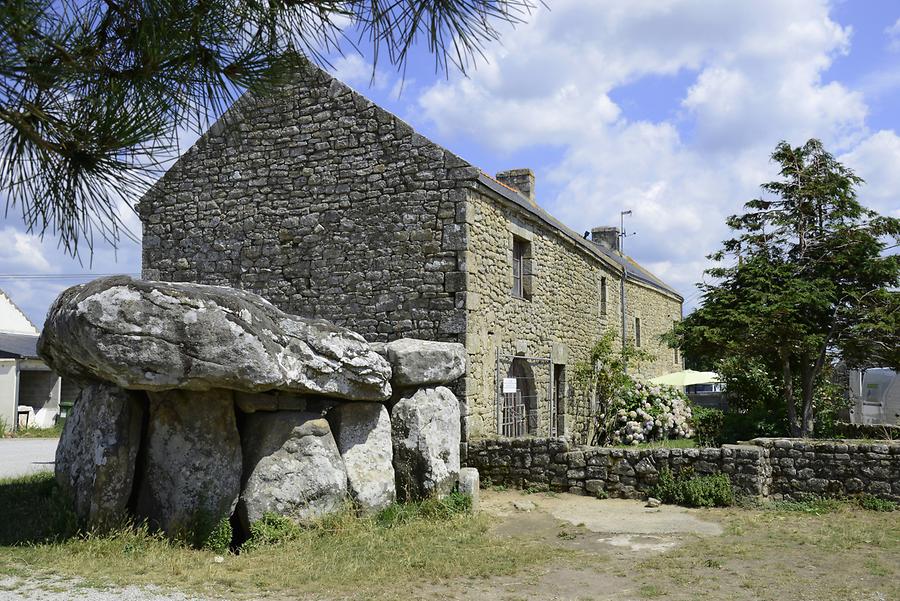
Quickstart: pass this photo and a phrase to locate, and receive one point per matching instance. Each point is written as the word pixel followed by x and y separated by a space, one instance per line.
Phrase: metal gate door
pixel 524 396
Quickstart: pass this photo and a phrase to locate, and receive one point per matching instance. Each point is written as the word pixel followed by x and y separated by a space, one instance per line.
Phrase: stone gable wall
pixel 781 469
pixel 323 203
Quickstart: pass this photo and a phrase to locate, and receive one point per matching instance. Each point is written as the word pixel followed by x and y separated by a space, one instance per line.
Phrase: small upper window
pixel 603 293
pixel 521 260
pixel 637 331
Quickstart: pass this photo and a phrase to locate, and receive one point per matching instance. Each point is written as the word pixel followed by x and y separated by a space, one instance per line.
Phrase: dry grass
pixel 822 551
pixel 344 556
pixel 841 553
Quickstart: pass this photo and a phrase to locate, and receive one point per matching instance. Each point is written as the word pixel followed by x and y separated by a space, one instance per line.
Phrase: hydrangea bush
pixel 651 412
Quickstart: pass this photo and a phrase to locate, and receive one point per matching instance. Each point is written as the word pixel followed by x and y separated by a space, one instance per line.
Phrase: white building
pixel 30 392
pixel 875 396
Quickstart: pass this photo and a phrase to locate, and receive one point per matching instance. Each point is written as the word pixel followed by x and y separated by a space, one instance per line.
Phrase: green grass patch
pixel 31 432
pixel 34 511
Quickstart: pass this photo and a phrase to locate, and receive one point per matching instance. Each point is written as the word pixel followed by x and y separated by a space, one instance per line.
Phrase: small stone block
pixel 470 484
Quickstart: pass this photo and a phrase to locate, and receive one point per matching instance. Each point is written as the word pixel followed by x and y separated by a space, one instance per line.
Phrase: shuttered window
pixel 522 268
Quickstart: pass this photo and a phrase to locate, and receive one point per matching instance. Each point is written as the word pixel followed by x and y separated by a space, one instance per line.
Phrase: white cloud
pixel 22 253
pixel 757 77
pixel 876 160
pixel 353 70
pixel 893 36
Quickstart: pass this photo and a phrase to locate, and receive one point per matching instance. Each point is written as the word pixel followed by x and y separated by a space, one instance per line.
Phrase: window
pixel 521 264
pixel 637 331
pixel 603 292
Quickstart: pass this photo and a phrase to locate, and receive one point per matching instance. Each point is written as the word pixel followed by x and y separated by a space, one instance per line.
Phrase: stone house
pixel 330 206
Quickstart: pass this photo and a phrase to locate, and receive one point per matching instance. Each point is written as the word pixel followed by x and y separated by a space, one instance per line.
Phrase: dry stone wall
pixel 780 469
pixel 833 468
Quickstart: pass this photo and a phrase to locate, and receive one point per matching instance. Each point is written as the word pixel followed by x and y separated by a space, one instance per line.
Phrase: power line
pixel 60 276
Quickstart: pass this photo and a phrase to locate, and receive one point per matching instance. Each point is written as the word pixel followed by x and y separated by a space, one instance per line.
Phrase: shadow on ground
pixel 34 511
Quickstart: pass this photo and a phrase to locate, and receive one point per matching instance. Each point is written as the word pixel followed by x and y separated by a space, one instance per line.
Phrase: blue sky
pixel 669 108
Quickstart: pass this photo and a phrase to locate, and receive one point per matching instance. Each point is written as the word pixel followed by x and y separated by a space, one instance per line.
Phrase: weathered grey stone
pixel 96 455
pixel 192 466
pixel 470 484
pixel 426 435
pixel 425 362
pixel 363 435
pixel 292 467
pixel 161 336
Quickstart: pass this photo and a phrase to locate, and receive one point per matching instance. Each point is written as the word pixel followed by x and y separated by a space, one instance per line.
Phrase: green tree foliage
pixel 93 93
pixel 807 278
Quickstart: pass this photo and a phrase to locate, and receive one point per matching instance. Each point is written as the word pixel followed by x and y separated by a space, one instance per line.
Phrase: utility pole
pixel 622 236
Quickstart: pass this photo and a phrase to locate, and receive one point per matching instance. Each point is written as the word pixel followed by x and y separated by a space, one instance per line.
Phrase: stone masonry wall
pixel 562 319
pixel 323 203
pixel 764 468
pixel 658 314
pixel 833 468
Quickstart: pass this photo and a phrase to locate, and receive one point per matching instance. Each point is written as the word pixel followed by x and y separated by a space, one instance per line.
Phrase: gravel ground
pixel 16 589
pixel 21 456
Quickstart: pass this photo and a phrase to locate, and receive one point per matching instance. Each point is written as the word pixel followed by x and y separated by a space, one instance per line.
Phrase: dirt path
pixel 609 535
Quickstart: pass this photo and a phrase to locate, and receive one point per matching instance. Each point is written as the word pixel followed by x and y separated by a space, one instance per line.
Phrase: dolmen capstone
pixel 202 403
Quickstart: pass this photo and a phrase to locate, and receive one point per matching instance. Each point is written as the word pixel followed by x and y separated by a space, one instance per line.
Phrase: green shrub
pixel 873 503
pixel 753 423
pixel 686 489
pixel 270 529
pixel 709 426
pixel 219 538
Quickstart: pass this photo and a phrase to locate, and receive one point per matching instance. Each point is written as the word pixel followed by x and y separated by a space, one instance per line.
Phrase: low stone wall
pixel 769 468
pixel 802 468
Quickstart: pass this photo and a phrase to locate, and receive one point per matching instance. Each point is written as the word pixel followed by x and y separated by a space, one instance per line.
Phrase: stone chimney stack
pixel 606 236
pixel 521 180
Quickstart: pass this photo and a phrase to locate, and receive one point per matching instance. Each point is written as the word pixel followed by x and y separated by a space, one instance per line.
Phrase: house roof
pixel 18 346
pixel 5 298
pixel 633 270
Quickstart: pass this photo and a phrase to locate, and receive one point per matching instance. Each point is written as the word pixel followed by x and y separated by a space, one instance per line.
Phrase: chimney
pixel 521 180
pixel 606 236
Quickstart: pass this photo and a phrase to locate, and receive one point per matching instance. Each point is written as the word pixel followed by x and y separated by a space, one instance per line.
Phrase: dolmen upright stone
pixel 293 467
pixel 191 475
pixel 95 460
pixel 426 434
pixel 363 435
